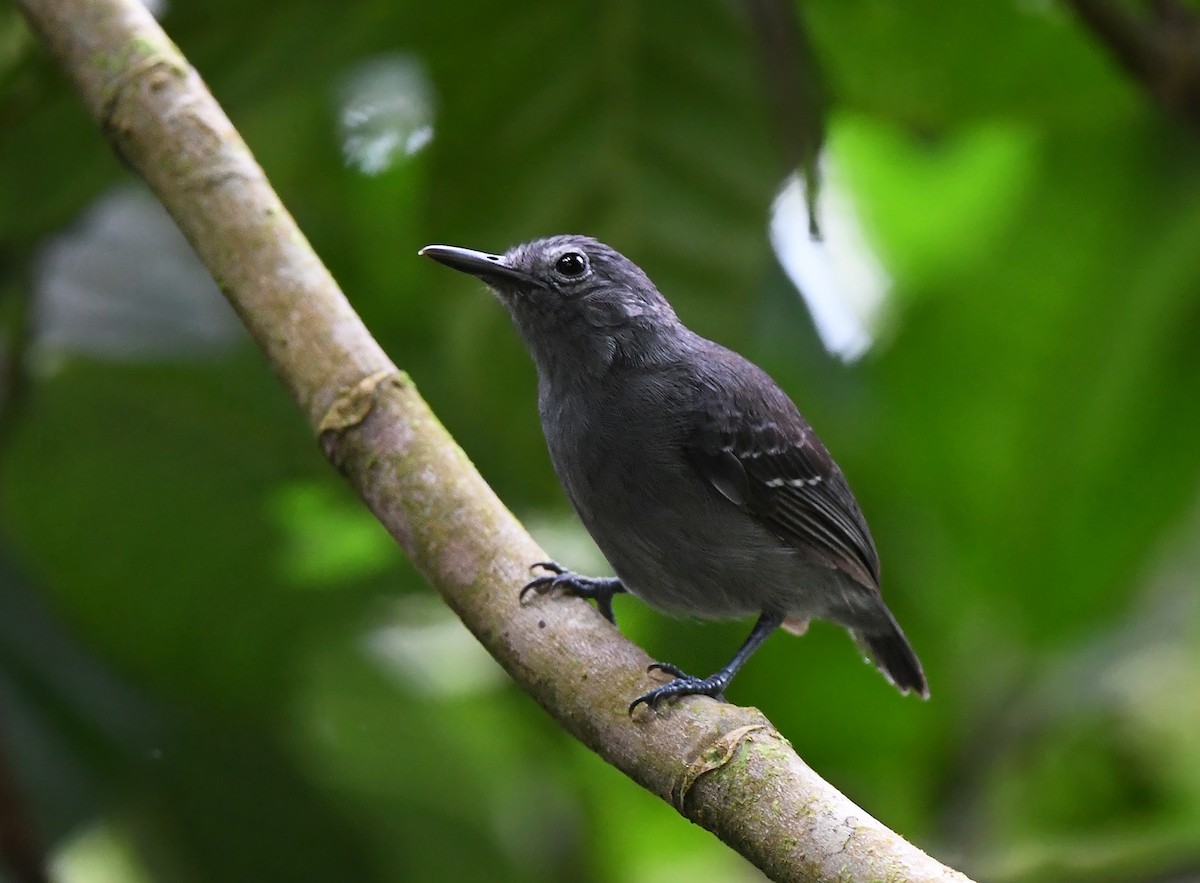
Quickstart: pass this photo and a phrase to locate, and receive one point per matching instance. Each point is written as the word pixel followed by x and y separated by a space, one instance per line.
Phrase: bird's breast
pixel 673 540
pixel 609 444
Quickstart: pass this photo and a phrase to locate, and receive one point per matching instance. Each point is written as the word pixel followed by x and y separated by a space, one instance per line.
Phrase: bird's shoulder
pixel 748 439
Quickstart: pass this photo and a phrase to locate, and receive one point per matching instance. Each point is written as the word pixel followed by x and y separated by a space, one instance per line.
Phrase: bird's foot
pixel 598 589
pixel 683 685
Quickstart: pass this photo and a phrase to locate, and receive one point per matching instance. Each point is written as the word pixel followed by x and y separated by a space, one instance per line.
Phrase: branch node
pixel 351 406
pixel 158 63
pixel 716 755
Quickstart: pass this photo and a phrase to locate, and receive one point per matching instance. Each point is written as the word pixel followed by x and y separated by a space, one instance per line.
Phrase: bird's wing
pixel 756 449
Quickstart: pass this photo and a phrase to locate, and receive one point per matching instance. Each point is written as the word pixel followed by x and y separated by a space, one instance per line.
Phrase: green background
pixel 214 665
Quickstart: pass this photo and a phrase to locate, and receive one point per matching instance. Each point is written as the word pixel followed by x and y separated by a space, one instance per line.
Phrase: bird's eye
pixel 572 265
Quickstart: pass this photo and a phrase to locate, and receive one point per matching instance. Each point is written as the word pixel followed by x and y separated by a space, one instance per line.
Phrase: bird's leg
pixel 599 589
pixel 714 685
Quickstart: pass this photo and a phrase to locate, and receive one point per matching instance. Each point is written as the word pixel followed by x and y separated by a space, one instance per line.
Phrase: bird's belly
pixel 682 548
pixel 674 541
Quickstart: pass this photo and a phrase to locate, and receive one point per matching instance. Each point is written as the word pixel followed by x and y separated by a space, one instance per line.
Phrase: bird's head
pixel 571 297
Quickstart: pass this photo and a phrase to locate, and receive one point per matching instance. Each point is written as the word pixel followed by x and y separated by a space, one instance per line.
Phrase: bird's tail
pixel 885 645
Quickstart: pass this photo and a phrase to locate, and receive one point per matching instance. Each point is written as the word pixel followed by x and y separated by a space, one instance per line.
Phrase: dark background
pixel 214 665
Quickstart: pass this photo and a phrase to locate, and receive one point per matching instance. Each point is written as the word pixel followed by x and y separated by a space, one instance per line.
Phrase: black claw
pixel 683 685
pixel 600 590
pixel 666 667
pixel 541 584
pixel 604 605
pixel 713 685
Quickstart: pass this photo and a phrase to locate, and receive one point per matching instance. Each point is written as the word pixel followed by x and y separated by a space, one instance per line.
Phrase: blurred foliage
pixel 215 666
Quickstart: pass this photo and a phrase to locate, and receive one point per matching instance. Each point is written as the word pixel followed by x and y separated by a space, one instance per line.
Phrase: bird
pixel 701 483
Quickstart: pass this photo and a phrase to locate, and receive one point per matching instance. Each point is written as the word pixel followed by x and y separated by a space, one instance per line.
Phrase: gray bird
pixel 703 486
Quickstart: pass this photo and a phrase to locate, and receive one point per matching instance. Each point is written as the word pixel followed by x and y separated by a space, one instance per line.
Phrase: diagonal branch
pixel 21 848
pixel 798 98
pixel 16 333
pixel 723 767
pixel 1161 51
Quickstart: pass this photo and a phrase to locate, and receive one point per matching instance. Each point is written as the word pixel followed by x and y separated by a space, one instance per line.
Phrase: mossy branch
pixel 725 768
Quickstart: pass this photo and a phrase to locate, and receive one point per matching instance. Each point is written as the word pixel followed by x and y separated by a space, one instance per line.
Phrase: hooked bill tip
pixel 491 268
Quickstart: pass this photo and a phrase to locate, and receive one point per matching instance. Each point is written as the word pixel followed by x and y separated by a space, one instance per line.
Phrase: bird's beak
pixel 488 267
